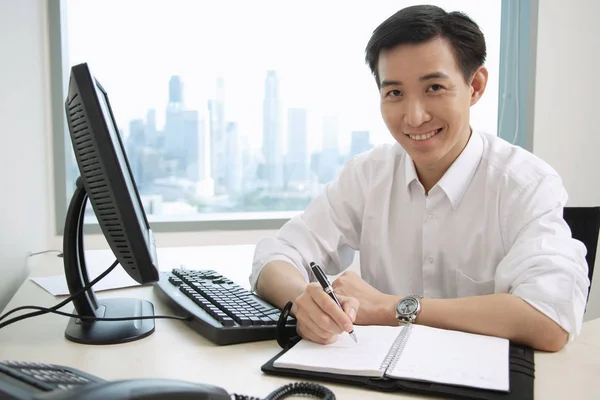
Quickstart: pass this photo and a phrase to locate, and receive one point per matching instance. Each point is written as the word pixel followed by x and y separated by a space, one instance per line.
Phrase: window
pixel 238 110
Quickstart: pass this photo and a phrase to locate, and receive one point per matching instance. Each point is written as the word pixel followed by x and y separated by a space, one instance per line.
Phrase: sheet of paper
pixel 455 358
pixel 344 356
pixel 57 284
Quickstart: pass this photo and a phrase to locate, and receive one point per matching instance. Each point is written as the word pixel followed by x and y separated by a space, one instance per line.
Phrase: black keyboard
pixel 221 311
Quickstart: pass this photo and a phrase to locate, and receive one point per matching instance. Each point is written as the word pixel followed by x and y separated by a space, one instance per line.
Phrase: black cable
pixel 243 397
pixel 65 301
pixel 292 389
pixel 91 318
pixel 53 309
pixel 60 253
pixel 303 388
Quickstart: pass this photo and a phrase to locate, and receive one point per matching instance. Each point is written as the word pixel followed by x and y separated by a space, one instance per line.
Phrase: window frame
pixel 518 44
pixel 514 46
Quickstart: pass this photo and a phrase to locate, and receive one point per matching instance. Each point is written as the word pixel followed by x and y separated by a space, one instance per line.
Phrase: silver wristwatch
pixel 407 309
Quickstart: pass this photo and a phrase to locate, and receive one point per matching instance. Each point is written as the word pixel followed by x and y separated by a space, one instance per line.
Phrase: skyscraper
pixel 272 134
pixel 151 131
pixel 175 90
pixel 196 151
pixel 360 142
pixel 233 168
pixel 192 141
pixel 174 137
pixel 329 161
pixel 297 151
pixel 134 147
pixel 218 155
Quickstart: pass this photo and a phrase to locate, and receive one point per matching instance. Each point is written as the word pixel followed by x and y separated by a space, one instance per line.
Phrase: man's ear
pixel 478 84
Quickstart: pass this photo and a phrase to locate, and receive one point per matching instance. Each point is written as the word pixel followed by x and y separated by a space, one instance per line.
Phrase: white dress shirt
pixel 492 224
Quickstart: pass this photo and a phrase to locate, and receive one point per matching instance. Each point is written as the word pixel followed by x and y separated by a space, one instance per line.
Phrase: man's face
pixel 425 101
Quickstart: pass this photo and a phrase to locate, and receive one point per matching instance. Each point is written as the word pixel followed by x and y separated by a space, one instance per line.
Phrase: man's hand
pixel 319 318
pixel 376 307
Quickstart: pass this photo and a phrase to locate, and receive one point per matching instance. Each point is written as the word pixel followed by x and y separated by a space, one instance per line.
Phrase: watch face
pixel 407 306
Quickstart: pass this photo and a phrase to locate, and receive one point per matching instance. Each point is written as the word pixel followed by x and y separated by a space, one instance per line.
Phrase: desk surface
pixel 175 351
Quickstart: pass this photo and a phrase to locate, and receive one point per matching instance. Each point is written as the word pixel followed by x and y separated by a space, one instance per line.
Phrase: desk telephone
pixel 37 381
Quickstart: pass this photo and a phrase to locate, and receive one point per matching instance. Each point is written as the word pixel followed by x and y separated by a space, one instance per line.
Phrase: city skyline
pixel 212 120
pixel 207 163
pixel 314 120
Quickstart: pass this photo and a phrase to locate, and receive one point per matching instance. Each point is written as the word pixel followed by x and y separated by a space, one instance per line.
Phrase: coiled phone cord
pixel 291 389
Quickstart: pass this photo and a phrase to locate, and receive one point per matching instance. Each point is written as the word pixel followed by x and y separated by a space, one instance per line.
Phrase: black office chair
pixel 585 226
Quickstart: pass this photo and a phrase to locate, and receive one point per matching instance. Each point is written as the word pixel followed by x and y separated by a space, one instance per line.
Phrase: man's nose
pixel 416 113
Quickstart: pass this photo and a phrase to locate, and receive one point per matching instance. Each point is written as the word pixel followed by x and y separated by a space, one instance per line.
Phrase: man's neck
pixel 429 177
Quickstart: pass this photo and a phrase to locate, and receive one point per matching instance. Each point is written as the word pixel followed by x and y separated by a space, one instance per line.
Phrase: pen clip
pixel 320 275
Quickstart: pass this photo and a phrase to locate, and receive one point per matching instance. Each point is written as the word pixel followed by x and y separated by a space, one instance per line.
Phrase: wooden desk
pixel 175 351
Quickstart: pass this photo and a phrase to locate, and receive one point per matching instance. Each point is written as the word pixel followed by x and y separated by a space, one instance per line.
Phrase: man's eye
pixel 394 93
pixel 435 87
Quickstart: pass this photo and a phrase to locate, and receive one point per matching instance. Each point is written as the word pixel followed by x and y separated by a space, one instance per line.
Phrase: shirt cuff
pixel 564 314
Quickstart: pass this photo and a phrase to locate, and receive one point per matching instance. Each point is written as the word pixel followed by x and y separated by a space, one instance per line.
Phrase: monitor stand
pixel 86 304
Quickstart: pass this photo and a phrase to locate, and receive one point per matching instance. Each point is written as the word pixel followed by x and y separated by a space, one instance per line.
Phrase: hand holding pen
pixel 326 285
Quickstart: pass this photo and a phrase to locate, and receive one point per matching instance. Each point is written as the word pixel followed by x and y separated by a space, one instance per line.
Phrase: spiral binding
pixel 395 352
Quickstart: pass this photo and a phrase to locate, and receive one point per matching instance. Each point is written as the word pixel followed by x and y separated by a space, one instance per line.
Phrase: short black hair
pixel 422 23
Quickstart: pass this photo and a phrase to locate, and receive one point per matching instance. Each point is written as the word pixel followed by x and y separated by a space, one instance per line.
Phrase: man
pixel 465 221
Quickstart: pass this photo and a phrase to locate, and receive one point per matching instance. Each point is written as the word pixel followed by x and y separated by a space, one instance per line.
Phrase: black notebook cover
pixel 522 373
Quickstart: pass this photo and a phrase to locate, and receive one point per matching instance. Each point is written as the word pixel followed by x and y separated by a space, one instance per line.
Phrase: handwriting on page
pixel 455 358
pixel 344 356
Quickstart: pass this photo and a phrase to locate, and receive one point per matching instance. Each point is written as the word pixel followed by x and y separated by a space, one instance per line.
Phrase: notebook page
pixel 455 358
pixel 344 356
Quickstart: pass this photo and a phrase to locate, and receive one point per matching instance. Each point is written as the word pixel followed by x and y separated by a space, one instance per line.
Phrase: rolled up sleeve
pixel 327 232
pixel 544 265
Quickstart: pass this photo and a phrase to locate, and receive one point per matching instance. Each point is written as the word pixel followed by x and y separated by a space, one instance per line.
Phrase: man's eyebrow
pixel 433 75
pixel 390 83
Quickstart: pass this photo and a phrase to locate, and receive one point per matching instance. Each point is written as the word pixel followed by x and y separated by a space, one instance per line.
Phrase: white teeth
pixel 424 136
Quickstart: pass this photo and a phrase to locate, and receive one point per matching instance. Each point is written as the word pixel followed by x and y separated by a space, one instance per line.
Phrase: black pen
pixel 322 278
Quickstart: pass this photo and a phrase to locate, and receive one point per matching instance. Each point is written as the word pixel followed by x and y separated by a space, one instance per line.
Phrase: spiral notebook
pixel 412 352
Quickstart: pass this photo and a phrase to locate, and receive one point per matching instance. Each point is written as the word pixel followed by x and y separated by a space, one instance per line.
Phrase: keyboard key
pixel 227 321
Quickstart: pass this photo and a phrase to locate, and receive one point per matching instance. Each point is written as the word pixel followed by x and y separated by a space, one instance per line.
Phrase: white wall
pixel 567 103
pixel 24 135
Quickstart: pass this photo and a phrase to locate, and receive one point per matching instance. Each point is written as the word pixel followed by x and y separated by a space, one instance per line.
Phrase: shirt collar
pixel 410 173
pixel 456 180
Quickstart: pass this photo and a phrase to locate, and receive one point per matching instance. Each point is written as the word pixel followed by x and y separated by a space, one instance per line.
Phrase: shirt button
pixel 430 260
pixel 431 216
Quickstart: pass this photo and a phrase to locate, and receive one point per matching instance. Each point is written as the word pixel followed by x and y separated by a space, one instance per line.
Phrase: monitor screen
pixel 122 160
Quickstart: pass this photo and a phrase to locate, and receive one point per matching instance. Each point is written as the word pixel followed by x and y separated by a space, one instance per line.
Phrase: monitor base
pixel 114 332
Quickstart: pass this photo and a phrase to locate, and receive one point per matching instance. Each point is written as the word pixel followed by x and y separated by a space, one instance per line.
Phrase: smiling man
pixel 456 229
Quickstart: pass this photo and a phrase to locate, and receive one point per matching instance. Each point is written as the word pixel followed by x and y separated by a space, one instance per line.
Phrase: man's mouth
pixel 425 135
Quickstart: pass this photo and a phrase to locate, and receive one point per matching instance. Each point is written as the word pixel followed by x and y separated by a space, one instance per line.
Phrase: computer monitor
pixel 106 180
